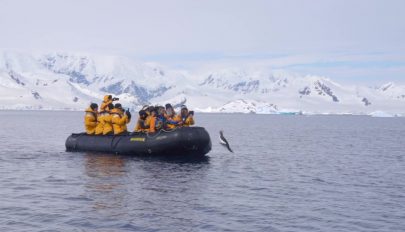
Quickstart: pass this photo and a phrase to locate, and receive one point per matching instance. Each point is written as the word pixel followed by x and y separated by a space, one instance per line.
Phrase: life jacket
pixel 119 121
pixel 90 121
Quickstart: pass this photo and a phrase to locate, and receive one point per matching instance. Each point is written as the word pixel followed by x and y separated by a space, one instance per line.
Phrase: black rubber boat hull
pixel 185 141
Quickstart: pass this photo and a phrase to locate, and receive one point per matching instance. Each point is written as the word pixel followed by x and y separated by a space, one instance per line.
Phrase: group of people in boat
pixel 112 119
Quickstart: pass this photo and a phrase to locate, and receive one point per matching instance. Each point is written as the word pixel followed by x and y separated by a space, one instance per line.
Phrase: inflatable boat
pixel 184 141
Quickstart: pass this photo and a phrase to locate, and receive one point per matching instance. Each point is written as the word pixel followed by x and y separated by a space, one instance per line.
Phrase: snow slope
pixel 71 81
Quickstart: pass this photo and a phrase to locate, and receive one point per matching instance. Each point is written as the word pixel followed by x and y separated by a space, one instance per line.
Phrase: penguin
pixel 223 141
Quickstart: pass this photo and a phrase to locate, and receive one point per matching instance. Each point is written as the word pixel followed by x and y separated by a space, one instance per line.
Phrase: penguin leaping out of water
pixel 223 141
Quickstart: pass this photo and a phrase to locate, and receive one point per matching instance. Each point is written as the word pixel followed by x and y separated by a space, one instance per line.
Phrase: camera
pixel 115 99
pixel 128 113
pixel 191 112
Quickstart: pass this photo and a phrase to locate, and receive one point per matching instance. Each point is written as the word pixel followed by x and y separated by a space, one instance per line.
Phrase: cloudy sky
pixel 347 40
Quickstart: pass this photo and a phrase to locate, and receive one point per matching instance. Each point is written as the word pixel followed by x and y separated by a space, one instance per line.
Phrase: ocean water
pixel 288 173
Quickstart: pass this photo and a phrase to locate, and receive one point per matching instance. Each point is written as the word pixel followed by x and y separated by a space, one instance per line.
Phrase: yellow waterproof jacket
pixel 147 121
pixel 139 125
pixel 108 126
pixel 119 121
pixel 105 103
pixel 100 123
pixel 152 123
pixel 172 122
pixel 90 121
pixel 189 121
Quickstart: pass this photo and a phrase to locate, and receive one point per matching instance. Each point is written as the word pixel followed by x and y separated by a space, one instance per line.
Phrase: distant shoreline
pixel 382 115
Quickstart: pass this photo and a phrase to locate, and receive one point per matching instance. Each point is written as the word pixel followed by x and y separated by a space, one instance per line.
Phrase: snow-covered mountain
pixel 72 81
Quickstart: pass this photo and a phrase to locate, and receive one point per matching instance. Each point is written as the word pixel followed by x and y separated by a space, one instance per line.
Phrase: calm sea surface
pixel 288 173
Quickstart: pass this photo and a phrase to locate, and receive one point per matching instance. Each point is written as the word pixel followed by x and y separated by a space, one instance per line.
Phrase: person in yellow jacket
pixel 172 119
pixel 160 118
pixel 187 117
pixel 100 123
pixel 107 119
pixel 90 119
pixel 104 125
pixel 151 123
pixel 147 120
pixel 108 99
pixel 120 119
pixel 141 123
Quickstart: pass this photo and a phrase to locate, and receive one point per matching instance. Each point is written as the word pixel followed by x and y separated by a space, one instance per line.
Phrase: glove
pixel 115 99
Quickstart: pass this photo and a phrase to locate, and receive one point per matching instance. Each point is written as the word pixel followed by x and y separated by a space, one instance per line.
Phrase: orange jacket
pixel 119 121
pixel 147 120
pixel 90 121
pixel 140 124
pixel 152 122
pixel 148 125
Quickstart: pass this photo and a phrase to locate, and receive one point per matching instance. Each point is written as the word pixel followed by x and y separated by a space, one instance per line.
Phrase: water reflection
pixel 117 182
pixel 104 165
pixel 173 159
pixel 105 183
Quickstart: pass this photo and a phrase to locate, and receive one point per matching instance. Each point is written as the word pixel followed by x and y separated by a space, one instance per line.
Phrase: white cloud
pixel 311 31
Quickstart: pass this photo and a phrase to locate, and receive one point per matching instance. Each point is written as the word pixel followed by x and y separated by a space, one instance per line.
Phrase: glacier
pixel 70 81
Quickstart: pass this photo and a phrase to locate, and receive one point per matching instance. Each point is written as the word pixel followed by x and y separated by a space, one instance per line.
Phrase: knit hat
pixel 118 106
pixel 93 106
pixel 168 105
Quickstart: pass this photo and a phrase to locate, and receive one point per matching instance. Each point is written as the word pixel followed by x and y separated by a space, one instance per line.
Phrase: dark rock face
pixel 366 101
pixel 36 95
pixel 207 81
pixel 386 87
pixel 305 91
pixel 281 82
pixel 115 88
pixel 142 93
pixel 16 77
pixel 76 76
pixel 159 71
pixel 245 86
pixel 242 86
pixel 325 90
